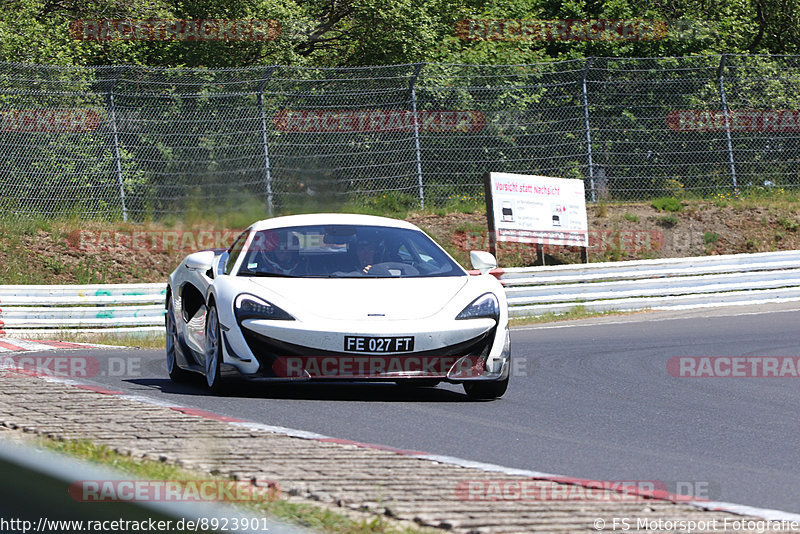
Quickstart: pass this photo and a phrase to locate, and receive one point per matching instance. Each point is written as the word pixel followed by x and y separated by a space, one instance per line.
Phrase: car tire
pixel 213 359
pixel 486 390
pixel 176 373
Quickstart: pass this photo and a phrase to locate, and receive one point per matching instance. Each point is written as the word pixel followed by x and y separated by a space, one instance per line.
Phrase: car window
pixel 234 251
pixel 346 251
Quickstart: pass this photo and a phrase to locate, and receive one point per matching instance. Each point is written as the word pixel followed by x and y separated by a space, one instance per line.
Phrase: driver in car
pixel 283 258
pixel 365 253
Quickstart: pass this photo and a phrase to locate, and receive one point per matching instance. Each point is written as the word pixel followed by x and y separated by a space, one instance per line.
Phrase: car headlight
pixel 484 306
pixel 252 307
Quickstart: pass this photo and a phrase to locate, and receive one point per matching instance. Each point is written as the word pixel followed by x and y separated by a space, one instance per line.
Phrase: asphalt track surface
pixel 593 399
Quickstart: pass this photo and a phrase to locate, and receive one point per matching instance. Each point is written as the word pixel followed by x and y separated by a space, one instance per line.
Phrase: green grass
pixel 578 312
pixel 388 204
pixel 789 224
pixel 667 204
pixel 232 215
pixel 307 515
pixel 143 340
pixel 668 221
pixel 464 204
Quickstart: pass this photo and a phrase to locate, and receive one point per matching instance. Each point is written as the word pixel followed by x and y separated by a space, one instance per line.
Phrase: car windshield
pixel 346 251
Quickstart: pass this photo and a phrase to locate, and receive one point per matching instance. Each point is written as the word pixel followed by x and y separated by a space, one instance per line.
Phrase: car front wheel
pixel 486 390
pixel 176 374
pixel 213 352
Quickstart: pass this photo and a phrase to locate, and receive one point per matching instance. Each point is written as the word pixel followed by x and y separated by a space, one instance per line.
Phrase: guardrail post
pixel 267 174
pixel 585 98
pixel 726 115
pixel 112 121
pixel 417 152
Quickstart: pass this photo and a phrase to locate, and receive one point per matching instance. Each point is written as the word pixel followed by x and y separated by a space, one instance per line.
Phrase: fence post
pixel 585 98
pixel 726 115
pixel 112 119
pixel 264 140
pixel 417 152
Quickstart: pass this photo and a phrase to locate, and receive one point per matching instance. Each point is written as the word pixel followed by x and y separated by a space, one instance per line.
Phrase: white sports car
pixel 338 297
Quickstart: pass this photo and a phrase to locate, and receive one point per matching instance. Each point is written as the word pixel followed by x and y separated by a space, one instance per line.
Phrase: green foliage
pixel 709 238
pixel 668 221
pixel 667 204
pixel 389 204
pixel 721 200
pixel 375 32
pixel 88 270
pixel 578 312
pixel 788 224
pixel 464 204
pixel 631 217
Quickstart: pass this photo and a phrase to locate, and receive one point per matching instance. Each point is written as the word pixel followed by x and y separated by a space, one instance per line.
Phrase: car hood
pixel 350 299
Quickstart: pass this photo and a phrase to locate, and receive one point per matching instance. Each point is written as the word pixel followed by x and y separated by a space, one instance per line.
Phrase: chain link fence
pixel 133 142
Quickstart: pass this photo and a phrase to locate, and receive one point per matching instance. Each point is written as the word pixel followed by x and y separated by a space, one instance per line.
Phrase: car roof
pixel 311 219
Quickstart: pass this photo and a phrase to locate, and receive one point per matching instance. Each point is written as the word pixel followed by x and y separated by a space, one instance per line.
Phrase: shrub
pixel 667 204
pixel 668 221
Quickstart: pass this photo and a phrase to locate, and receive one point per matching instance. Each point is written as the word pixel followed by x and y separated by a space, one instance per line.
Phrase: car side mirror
pixel 482 261
pixel 200 261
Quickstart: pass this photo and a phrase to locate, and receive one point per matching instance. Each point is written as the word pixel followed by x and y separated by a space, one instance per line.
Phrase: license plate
pixel 378 344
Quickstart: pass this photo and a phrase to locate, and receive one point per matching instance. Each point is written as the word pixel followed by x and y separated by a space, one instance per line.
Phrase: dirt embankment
pixel 105 253
pixel 639 231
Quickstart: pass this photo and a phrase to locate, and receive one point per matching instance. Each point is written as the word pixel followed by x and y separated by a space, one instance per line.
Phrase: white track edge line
pixel 738 509
pixel 644 318
pixel 744 509
pixel 303 434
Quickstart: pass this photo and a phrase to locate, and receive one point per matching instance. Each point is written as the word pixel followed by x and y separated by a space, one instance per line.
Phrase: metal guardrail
pixel 87 308
pixel 40 499
pixel 674 283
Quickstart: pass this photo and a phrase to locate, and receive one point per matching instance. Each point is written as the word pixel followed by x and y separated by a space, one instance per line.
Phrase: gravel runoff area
pixel 357 480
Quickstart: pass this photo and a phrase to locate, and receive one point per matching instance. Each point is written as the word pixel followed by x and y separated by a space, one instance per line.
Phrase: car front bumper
pixel 467 351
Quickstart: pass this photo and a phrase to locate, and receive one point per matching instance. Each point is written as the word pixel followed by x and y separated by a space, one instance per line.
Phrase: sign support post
pixel 487 194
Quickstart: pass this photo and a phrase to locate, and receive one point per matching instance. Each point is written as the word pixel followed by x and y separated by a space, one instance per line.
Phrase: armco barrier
pixel 30 310
pixel 674 283
pixel 40 500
